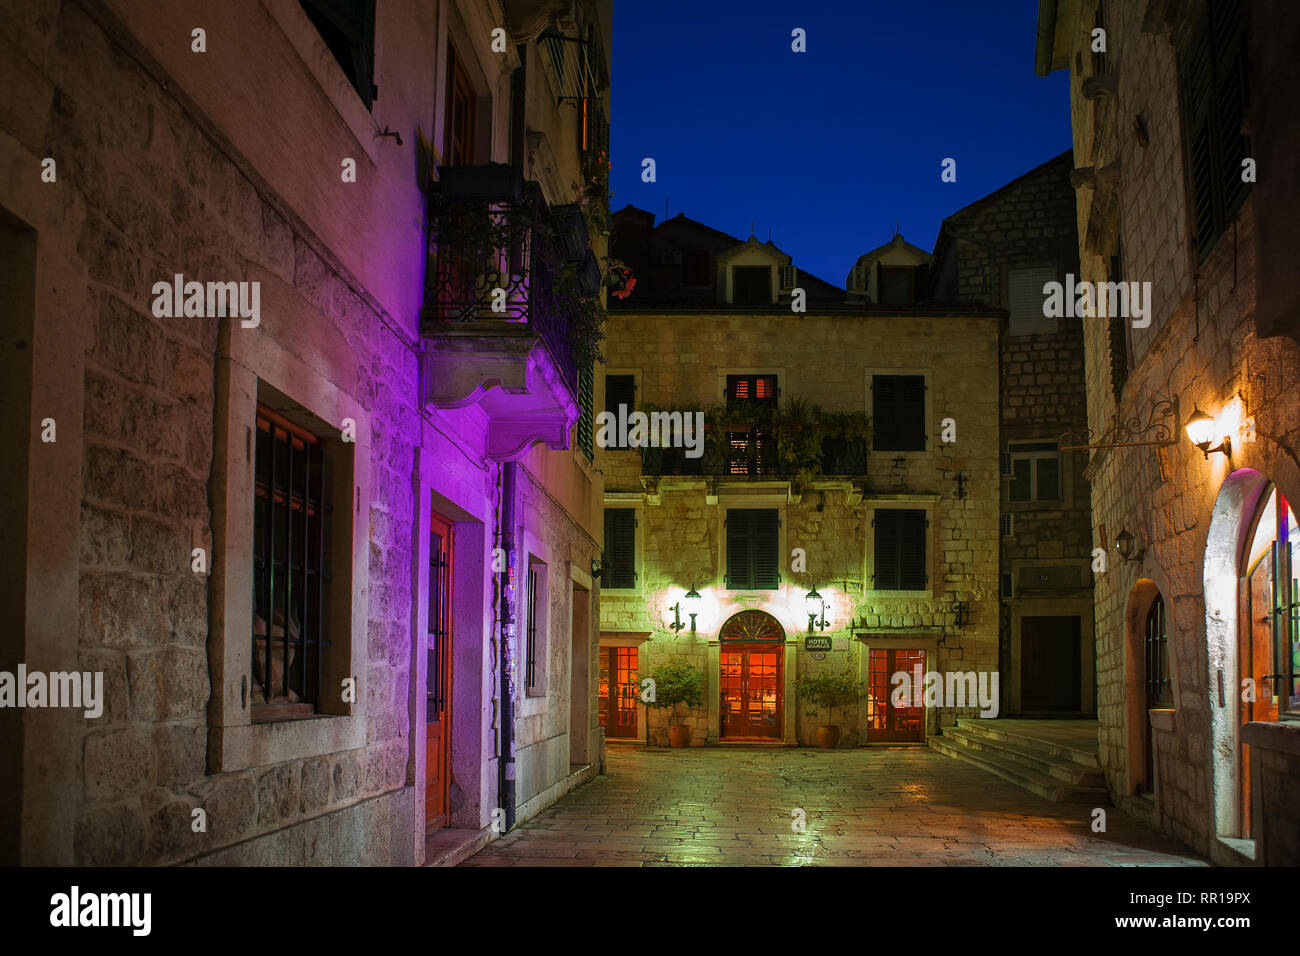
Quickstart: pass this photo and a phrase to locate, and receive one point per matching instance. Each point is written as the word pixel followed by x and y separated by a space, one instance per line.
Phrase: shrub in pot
pixel 676 683
pixel 828 691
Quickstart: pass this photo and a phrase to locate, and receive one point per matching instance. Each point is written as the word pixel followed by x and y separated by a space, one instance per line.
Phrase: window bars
pixel 439 606
pixel 290 576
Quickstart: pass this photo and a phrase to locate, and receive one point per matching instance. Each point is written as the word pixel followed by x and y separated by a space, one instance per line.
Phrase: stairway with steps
pixel 1055 759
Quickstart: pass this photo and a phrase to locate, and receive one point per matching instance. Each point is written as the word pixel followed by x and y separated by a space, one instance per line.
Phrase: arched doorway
pixel 751 684
pixel 1149 680
pixel 1251 556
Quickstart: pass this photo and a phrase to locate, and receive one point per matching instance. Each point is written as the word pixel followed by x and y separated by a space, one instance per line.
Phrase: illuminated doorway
pixel 752 678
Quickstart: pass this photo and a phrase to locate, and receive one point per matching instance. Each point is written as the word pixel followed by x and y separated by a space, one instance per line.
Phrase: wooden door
pixel 1049 664
pixel 752 691
pixel 619 692
pixel 437 752
pixel 885 721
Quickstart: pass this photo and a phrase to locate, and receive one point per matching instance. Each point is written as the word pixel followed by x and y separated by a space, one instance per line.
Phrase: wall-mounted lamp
pixel 595 567
pixel 1124 545
pixel 692 600
pixel 816 605
pixel 1202 432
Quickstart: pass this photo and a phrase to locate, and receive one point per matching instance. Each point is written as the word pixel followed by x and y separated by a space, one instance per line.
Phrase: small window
pixel 1035 471
pixel 348 29
pixel 620 390
pixel 290 592
pixel 695 268
pixel 751 285
pixel 898 412
pixel 535 635
pixel 1007 525
pixel 900 549
pixel 754 452
pixel 752 388
pixel 1025 301
pixel 753 549
pixel 789 277
pixel 618 566
pixel 1006 588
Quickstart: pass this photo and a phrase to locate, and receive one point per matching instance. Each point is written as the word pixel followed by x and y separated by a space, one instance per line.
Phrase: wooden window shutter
pixel 766 549
pixel 619 569
pixel 587 413
pixel 740 568
pixel 911 411
pixel 884 417
pixel 1228 39
pixel 887 535
pixel 911 556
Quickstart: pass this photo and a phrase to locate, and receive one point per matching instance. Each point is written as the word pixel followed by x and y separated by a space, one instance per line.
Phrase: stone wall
pixel 1031 222
pixel 1204 352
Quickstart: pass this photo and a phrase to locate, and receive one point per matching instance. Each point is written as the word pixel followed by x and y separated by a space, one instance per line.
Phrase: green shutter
pixel 887 531
pixel 766 549
pixel 911 551
pixel 740 572
pixel 619 563
pixel 586 420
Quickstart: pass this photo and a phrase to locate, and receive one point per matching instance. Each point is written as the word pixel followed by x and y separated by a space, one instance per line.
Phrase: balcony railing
pixel 754 453
pixel 494 262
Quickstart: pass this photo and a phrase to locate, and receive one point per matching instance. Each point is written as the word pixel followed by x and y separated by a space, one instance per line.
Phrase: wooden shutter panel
pixel 739 568
pixel 1228 40
pixel 911 560
pixel 883 412
pixel 910 410
pixel 766 549
pixel 620 548
pixel 887 534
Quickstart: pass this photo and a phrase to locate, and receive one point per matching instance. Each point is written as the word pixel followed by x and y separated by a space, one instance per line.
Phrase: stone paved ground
pixel 864 807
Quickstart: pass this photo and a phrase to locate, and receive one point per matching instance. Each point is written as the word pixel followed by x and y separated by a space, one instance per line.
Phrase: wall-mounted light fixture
pixel 595 567
pixel 1202 432
pixel 692 601
pixel 816 605
pixel 1124 545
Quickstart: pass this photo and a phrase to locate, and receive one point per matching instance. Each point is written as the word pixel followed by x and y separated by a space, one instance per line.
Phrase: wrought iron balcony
pixel 499 306
pixel 739 453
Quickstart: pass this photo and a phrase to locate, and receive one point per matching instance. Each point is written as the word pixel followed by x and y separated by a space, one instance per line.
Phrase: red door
pixel 884 720
pixel 437 752
pixel 752 689
pixel 618 691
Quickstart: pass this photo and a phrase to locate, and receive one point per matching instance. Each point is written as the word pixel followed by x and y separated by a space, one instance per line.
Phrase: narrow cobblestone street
pixel 864 807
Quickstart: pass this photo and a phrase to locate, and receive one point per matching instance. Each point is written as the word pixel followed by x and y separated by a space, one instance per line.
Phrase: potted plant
pixel 828 690
pixel 677 682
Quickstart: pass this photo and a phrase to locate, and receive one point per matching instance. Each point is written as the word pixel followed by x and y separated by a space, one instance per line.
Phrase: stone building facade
pixel 382 697
pixel 701 330
pixel 1197 622
pixel 1000 251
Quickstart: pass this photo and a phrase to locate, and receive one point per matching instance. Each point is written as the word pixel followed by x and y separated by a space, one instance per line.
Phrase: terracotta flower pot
pixel 828 737
pixel 679 735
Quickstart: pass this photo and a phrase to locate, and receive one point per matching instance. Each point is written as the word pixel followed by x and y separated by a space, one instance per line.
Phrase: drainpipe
pixel 506 590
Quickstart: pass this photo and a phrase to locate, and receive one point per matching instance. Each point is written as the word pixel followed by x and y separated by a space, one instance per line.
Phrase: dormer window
pixel 897 285
pixel 751 285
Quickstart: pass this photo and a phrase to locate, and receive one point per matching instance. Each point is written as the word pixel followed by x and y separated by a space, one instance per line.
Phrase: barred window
pixel 290 575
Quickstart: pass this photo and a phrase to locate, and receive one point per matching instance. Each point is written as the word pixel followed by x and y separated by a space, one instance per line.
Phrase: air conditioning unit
pixel 1008 526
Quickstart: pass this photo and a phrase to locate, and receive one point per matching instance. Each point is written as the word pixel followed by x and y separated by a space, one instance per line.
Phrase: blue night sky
pixel 828 148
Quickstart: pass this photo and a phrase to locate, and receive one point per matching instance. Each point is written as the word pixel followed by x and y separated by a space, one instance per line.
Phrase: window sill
pixel 264 744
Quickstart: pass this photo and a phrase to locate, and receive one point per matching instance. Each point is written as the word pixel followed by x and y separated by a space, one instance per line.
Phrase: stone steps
pixel 1055 772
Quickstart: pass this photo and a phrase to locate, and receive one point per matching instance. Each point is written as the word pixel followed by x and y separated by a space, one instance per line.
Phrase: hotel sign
pixel 814 642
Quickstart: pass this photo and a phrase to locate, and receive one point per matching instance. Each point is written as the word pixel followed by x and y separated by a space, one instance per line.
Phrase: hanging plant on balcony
pixel 586 316
pixel 594 194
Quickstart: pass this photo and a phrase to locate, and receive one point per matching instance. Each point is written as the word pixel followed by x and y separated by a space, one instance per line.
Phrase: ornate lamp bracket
pixel 1161 429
